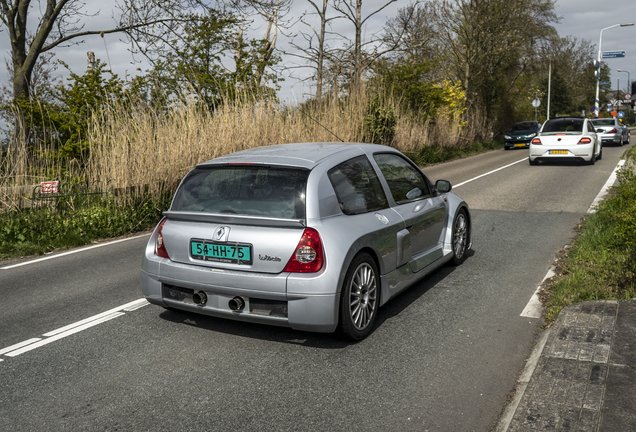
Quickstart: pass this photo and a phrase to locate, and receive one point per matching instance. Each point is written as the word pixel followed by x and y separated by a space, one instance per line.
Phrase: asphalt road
pixel 443 357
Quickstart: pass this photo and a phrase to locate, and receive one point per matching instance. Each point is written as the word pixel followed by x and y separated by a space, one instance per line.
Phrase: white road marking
pixel 62 335
pixel 488 173
pixel 137 302
pixel 70 329
pixel 605 189
pixel 534 308
pixel 70 252
pixel 18 345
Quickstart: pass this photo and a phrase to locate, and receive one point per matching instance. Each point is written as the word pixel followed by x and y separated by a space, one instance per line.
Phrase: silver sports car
pixel 313 236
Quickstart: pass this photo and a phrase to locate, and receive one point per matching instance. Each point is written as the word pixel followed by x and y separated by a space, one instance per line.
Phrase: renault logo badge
pixel 221 233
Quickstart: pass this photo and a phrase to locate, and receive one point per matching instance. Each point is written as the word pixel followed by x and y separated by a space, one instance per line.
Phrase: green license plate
pixel 207 250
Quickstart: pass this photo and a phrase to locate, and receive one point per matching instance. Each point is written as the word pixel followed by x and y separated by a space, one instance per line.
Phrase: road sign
pixel 621 114
pixel 536 102
pixel 613 54
pixel 49 187
pixel 605 82
pixel 627 96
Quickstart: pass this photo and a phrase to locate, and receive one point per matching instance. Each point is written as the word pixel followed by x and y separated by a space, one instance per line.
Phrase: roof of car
pixel 306 155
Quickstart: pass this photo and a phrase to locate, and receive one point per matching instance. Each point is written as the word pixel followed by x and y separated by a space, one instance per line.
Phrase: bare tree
pixel 146 24
pixel 275 13
pixel 411 31
pixel 315 55
pixel 352 10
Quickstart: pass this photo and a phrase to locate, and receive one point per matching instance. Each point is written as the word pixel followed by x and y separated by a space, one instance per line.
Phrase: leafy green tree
pixel 560 98
pixel 483 44
pixel 198 64
pixel 64 121
pixel 410 81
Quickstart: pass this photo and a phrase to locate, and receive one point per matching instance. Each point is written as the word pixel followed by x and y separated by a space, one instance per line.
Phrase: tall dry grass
pixel 140 149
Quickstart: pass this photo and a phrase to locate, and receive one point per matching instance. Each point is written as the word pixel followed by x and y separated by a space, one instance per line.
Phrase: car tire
pixel 461 229
pixel 360 298
pixel 592 159
pixel 506 148
pixel 533 162
pixel 600 154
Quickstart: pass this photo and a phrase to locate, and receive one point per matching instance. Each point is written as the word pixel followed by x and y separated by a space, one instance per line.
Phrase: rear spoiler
pixel 233 219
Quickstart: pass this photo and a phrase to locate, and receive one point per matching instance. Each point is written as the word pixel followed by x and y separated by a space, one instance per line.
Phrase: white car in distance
pixel 566 138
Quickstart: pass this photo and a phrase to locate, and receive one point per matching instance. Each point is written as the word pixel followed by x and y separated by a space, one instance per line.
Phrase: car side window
pixel 357 187
pixel 405 181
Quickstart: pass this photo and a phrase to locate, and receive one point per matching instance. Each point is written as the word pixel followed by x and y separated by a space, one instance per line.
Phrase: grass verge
pixel 601 263
pixel 36 232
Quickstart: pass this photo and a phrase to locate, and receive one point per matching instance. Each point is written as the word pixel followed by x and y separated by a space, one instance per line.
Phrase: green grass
pixel 35 232
pixel 601 262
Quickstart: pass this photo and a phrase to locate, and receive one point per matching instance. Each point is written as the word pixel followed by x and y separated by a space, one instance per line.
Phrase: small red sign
pixel 49 187
pixel 627 96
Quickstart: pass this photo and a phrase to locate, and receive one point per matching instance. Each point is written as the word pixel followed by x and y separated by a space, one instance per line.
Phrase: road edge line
pixel 534 304
pixel 71 252
pixel 606 187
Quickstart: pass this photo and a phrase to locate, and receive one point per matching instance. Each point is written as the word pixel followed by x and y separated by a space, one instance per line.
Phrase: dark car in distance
pixel 520 134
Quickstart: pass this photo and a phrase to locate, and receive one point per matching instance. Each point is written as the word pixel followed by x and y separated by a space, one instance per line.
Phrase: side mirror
pixel 443 186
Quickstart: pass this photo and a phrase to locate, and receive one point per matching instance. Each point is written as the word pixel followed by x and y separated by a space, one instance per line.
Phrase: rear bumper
pixel 311 312
pixel 611 139
pixel 516 144
pixel 581 152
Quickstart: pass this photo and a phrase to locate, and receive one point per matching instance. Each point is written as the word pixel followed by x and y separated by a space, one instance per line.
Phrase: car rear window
pixel 249 190
pixel 608 122
pixel 564 125
pixel 524 126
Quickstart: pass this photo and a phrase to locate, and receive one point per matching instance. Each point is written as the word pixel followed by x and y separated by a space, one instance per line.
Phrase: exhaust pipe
pixel 237 304
pixel 200 298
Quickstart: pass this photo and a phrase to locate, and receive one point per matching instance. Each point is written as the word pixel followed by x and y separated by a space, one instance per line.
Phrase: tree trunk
pixel 272 22
pixel 358 48
pixel 321 55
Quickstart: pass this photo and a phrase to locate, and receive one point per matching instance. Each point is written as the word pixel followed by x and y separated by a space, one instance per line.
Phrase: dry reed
pixel 141 149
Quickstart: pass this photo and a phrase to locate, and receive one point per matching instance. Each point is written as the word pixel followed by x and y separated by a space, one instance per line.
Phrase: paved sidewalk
pixel 585 378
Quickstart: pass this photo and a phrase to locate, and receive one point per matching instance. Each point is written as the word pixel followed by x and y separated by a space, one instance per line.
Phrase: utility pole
pixel 549 85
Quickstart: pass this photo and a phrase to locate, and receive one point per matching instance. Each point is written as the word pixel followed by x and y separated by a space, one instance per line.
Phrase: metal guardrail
pixel 69 196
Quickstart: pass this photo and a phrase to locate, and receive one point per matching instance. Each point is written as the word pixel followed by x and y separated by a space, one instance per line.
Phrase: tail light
pixel 160 246
pixel 308 256
pixel 536 141
pixel 585 141
pixel 612 131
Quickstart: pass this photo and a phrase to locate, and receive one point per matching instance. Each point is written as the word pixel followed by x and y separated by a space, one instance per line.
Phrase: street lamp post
pixel 629 89
pixel 598 79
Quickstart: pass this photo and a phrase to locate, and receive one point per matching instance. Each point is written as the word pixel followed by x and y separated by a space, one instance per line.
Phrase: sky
pixel 583 19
